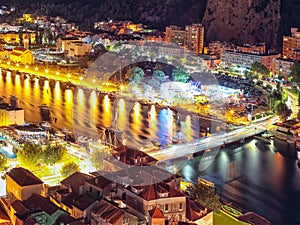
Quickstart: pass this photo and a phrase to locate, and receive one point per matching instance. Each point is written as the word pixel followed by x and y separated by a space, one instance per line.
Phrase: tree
pixel 31 155
pixel 205 195
pixel 283 111
pixel 295 73
pixel 54 153
pixel 159 75
pixel 136 75
pixel 3 162
pixel 97 158
pixel 258 68
pixel 180 75
pixel 69 168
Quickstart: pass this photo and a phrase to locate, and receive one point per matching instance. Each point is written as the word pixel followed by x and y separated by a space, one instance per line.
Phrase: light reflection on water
pixel 83 110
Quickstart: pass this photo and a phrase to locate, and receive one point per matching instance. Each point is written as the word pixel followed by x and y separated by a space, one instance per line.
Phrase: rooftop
pixel 23 177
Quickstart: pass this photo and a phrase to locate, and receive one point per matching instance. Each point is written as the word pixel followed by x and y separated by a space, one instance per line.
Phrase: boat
pixel 206 182
pixel 281 136
pixel 264 140
pixel 59 134
pixel 267 135
pixel 45 125
pixel 297 144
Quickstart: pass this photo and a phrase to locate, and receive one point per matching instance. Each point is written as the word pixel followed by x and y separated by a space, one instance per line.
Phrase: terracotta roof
pixel 20 49
pixel 4 219
pixel 108 212
pixel 18 206
pixel 99 181
pixel 37 202
pixel 157 191
pixel 254 219
pixel 15 53
pixel 75 180
pixel 23 177
pixel 195 211
pixel 156 213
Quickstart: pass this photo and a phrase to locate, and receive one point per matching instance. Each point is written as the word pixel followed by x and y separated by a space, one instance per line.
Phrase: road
pixel 216 140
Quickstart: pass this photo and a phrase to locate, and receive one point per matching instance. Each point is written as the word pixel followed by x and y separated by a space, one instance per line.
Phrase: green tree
pixel 69 168
pixel 295 73
pixel 3 162
pixel 97 158
pixel 258 68
pixel 179 74
pixel 283 111
pixel 159 75
pixel 30 155
pixel 136 75
pixel 54 154
pixel 205 195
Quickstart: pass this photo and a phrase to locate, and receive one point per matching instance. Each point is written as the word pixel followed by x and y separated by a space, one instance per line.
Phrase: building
pixel 38 210
pixel 243 61
pixel 194 38
pixel 175 34
pixel 11 115
pixel 291 45
pixel 170 201
pixel 17 38
pixel 21 184
pixel 107 213
pixel 73 47
pixel 254 49
pixel 124 155
pixel 21 55
pixel 282 67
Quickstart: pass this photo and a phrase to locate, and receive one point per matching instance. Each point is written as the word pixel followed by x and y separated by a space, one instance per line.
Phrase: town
pixel 99 126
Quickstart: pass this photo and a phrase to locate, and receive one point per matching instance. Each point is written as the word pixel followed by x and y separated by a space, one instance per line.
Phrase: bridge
pixel 187 149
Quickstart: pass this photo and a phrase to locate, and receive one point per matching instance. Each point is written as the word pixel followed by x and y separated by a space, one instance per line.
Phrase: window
pixel 180 206
pixel 125 221
pixel 91 189
pixel 166 207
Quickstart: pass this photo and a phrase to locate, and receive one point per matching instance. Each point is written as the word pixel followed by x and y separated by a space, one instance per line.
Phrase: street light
pixel 26 66
pixel 36 69
pixel 57 73
pixel 68 75
pixel 17 65
pixel 46 70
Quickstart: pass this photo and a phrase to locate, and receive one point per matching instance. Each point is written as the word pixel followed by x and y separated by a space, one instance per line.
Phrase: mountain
pixel 233 20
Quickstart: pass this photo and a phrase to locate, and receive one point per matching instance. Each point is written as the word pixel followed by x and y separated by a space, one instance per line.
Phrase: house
pixel 198 214
pixel 145 198
pixel 124 155
pixel 156 217
pixel 76 182
pixel 21 184
pixel 21 55
pixel 39 210
pixel 107 213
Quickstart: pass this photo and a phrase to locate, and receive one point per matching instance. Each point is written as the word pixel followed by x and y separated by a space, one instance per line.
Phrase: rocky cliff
pixel 243 20
pixel 231 20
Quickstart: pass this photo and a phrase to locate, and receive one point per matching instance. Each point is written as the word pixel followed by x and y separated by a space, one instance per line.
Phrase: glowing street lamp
pixel 8 63
pixel 36 69
pixel 80 78
pixel 17 64
pixel 69 75
pixel 46 70
pixel 26 67
pixel 57 73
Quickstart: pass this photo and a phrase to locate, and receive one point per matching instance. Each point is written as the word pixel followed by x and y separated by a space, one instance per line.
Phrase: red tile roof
pixel 108 212
pixel 195 211
pixel 254 219
pixel 20 49
pixel 156 213
pixel 157 191
pixel 75 180
pixel 15 53
pixel 23 177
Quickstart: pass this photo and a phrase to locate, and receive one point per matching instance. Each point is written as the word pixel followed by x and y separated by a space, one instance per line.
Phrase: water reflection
pixel 87 110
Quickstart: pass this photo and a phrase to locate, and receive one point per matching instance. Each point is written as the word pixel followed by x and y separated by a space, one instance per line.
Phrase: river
pixel 254 176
